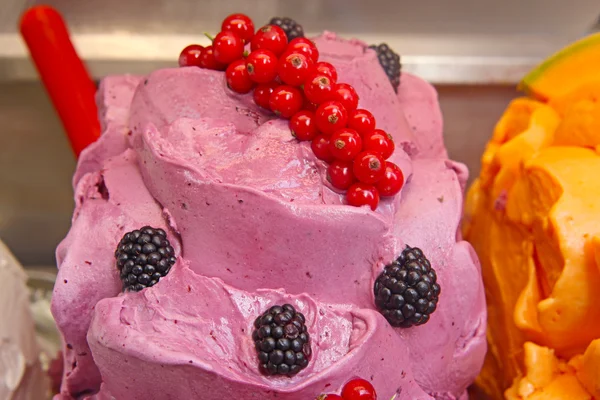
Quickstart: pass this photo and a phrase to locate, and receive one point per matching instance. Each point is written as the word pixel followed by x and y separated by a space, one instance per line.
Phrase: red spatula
pixel 63 73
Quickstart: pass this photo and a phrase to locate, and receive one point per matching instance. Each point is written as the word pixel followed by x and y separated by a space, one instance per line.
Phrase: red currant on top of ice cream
pixel 228 47
pixel 340 175
pixel 262 66
pixel 304 46
pixel 361 121
pixel 285 101
pixel 239 24
pixel 331 116
pixel 285 76
pixel 392 181
pixel 190 56
pixel 362 194
pixel 356 389
pixel 379 141
pixel 345 144
pixel 270 37
pixel 303 125
pixel 208 60
pixel 238 78
pixel 320 146
pixel 359 389
pixel 262 94
pixel 318 88
pixel 346 95
pixel 325 68
pixel 369 167
pixel 294 68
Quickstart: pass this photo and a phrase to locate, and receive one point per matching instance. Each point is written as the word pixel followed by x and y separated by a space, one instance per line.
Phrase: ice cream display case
pixel 269 216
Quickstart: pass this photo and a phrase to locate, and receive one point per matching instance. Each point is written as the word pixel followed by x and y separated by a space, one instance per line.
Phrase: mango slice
pixel 568 69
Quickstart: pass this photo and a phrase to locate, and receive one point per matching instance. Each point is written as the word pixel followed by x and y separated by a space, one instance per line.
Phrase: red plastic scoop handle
pixel 63 73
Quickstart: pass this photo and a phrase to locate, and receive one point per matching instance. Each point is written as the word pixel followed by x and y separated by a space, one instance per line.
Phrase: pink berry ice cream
pixel 254 223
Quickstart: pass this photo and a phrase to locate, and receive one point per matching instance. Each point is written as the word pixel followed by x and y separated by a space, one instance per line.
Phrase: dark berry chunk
pixel 143 257
pixel 291 28
pixel 390 62
pixel 406 292
pixel 281 340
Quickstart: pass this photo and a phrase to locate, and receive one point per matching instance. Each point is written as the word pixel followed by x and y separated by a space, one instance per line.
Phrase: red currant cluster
pixel 356 389
pixel 288 79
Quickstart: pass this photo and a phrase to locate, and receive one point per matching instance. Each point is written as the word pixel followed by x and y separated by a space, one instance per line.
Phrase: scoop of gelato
pixel 533 218
pixel 254 223
pixel 21 375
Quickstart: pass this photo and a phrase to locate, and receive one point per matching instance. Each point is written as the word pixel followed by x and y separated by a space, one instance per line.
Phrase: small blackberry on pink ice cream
pixel 282 341
pixel 143 257
pixel 406 292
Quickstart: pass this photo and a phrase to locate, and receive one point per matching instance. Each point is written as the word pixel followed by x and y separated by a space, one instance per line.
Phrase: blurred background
pixel 474 51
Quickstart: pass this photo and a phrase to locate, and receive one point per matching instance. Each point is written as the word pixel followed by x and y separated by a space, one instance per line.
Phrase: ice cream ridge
pixel 277 218
pixel 534 220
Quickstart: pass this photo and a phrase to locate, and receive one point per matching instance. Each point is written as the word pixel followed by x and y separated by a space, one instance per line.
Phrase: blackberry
pixel 406 292
pixel 282 341
pixel 143 257
pixel 390 62
pixel 291 28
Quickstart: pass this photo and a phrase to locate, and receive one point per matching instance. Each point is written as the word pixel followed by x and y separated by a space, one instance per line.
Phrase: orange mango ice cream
pixel 533 216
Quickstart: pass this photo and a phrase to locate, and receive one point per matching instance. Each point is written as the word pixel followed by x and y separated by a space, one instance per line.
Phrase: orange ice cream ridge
pixel 533 216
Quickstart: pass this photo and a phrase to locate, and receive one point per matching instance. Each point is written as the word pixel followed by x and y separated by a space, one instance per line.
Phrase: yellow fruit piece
pixel 566 70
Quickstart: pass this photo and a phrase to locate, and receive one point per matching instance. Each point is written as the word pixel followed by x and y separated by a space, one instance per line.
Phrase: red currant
pixel 318 88
pixel 208 61
pixel 262 94
pixel 369 167
pixel 362 121
pixel 392 180
pixel 339 174
pixel 320 146
pixel 240 24
pixel 190 56
pixel 228 47
pixel 379 141
pixel 331 116
pixel 346 95
pixel 359 389
pixel 304 46
pixel 237 77
pixel 345 144
pixel 325 68
pixel 270 37
pixel 360 194
pixel 329 397
pixel 294 68
pixel 303 125
pixel 286 101
pixel 262 65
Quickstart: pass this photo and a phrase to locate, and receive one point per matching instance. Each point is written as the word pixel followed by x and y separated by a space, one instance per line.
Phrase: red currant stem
pixel 246 54
pixel 209 36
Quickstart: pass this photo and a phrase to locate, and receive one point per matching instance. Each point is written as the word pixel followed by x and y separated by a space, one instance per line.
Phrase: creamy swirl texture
pixel 255 223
